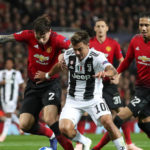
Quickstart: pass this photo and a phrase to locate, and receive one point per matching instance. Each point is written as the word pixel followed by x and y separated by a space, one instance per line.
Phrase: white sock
pixel 80 138
pixel 15 118
pixel 119 143
pixel 6 126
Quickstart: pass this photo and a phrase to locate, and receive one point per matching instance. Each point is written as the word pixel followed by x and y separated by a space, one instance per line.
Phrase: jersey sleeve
pixel 63 42
pixel 67 54
pixel 19 78
pixel 118 52
pixel 102 62
pixel 22 36
pixel 128 59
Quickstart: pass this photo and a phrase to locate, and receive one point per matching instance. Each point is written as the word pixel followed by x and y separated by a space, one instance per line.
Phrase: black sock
pixel 55 128
pixel 118 121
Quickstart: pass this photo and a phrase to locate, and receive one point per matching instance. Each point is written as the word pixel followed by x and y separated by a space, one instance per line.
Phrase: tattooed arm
pixel 6 38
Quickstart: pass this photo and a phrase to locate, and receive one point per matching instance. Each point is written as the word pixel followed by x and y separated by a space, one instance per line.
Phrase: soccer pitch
pixel 32 142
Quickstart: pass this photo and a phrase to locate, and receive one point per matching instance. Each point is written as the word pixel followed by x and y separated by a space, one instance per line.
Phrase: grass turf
pixel 32 142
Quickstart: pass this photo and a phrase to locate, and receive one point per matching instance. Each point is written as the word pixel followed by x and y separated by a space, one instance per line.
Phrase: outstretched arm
pixel 41 76
pixel 6 38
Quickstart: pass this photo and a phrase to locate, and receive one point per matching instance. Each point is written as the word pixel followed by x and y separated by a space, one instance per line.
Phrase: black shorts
pixel 140 104
pixel 112 97
pixel 38 96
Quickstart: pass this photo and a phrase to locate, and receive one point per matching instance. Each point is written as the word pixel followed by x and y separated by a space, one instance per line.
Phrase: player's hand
pixel 40 77
pixel 115 79
pixel 99 75
pixel 3 82
pixel 62 61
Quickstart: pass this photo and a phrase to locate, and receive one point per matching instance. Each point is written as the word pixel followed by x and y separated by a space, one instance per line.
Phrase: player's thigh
pixel 71 113
pixel 32 103
pixel 52 95
pixel 112 97
pixel 98 109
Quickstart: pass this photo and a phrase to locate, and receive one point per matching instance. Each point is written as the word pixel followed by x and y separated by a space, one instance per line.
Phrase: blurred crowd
pixel 122 16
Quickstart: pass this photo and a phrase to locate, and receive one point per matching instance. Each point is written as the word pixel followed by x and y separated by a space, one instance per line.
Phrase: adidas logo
pixel 137 48
pixel 36 46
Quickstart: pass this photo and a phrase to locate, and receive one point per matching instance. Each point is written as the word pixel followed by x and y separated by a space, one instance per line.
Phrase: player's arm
pixel 110 71
pixel 128 59
pixel 41 76
pixel 6 38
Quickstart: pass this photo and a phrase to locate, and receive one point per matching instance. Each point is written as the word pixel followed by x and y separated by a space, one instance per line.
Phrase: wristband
pixel 47 76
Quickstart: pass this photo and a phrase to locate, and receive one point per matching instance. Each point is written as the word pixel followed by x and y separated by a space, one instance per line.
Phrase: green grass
pixel 31 142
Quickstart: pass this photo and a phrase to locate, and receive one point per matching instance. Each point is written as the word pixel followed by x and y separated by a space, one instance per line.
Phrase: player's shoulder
pixel 137 37
pixel 112 40
pixel 30 32
pixel 69 52
pixel 94 53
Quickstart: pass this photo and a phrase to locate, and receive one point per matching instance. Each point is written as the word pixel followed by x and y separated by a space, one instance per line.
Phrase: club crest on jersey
pixel 49 49
pixel 108 48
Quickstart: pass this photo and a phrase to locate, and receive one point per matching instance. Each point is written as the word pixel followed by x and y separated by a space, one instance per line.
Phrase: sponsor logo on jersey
pixel 49 49
pixel 41 57
pixel 144 58
pixel 81 76
pixel 108 48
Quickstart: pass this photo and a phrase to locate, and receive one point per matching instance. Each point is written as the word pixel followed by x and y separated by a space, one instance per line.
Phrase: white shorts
pixel 9 107
pixel 74 109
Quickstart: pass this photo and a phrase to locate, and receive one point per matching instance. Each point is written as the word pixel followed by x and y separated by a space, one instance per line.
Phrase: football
pixel 45 148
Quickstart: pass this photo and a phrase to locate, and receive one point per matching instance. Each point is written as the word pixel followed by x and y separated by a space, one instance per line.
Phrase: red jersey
pixel 109 47
pixel 139 50
pixel 42 57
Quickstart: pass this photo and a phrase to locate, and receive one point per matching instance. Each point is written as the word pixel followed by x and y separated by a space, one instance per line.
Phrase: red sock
pixel 126 131
pixel 64 142
pixel 43 130
pixel 81 126
pixel 104 140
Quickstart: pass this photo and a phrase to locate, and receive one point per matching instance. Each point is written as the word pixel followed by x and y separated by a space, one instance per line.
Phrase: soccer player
pixel 112 51
pixel 139 49
pixel 10 81
pixel 85 91
pixel 44 46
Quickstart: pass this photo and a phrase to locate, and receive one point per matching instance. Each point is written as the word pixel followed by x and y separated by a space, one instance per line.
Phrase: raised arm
pixel 6 38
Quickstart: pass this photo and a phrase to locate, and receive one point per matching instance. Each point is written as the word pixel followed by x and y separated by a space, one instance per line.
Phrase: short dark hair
pixel 101 19
pixel 80 36
pixel 42 24
pixel 144 14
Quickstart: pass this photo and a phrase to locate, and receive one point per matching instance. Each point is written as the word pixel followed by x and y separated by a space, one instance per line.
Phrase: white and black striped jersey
pixel 9 91
pixel 81 83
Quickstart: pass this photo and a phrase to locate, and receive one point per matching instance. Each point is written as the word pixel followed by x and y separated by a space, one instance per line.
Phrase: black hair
pixel 42 24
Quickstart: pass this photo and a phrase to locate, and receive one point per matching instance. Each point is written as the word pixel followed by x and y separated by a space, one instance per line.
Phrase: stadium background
pixel 68 16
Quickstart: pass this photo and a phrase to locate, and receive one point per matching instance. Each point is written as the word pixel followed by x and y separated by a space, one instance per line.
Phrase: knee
pixel 25 123
pixel 66 127
pixel 106 121
pixel 50 120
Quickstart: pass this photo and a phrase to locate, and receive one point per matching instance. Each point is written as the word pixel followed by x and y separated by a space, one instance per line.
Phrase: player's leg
pixel 101 112
pixel 68 122
pixel 52 104
pixel 81 128
pixel 29 113
pixel 6 126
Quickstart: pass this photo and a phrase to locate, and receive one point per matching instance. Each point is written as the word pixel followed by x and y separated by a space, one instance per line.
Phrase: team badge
pixel 49 49
pixel 108 48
